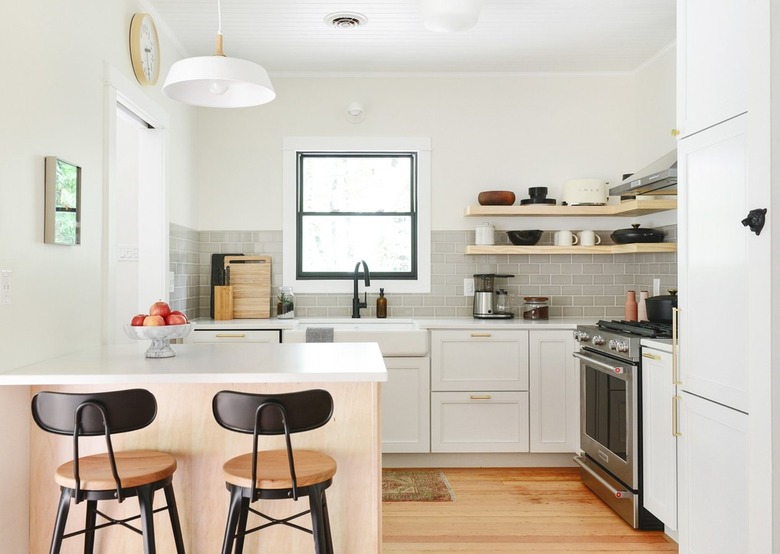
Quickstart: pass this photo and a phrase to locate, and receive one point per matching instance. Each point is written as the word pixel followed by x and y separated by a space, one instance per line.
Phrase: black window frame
pixel 411 275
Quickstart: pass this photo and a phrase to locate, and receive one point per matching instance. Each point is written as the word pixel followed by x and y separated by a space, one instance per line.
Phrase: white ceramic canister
pixel 485 233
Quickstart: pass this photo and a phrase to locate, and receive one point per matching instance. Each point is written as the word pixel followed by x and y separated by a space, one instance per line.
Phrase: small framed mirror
pixel 62 222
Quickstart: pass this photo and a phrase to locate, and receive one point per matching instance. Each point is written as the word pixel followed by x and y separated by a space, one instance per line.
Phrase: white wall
pixel 487 133
pixel 53 104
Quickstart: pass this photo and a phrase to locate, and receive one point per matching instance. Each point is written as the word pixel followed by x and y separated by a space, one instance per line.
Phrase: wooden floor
pixel 541 510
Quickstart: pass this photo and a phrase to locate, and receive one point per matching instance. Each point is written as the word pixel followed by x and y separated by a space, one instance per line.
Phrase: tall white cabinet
pixel 724 418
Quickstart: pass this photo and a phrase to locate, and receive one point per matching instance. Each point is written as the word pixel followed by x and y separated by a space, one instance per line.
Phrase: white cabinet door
pixel 229 336
pixel 712 75
pixel 479 422
pixel 406 405
pixel 659 444
pixel 713 268
pixel 485 360
pixel 713 478
pixel 554 392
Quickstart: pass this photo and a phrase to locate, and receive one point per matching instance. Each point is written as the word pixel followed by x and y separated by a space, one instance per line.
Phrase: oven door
pixel 609 431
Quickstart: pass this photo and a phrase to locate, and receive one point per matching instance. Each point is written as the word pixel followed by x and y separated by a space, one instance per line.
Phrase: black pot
pixel 659 308
pixel 635 234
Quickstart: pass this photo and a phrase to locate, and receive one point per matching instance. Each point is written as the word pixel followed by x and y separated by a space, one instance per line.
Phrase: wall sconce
pixel 355 112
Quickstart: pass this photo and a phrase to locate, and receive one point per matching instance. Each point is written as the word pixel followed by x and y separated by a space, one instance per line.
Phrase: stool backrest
pixel 92 414
pixel 126 410
pixel 305 410
pixel 273 414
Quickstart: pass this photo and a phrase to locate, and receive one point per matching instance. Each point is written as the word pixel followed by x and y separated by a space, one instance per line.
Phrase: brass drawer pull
pixel 651 356
pixel 480 397
pixel 231 335
pixel 483 335
pixel 675 429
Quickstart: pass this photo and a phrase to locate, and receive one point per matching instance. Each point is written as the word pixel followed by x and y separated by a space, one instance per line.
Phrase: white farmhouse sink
pixel 395 337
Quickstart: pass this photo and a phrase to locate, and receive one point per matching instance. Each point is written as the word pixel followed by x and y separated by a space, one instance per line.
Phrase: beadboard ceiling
pixel 290 37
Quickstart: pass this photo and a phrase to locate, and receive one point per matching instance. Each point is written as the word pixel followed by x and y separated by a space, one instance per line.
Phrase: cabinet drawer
pixel 495 421
pixel 234 335
pixel 486 360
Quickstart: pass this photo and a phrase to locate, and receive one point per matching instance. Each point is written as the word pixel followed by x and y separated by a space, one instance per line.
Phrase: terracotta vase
pixel 641 311
pixel 631 306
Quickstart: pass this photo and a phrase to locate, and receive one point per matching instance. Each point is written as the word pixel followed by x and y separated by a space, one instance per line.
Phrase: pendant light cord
pixel 219 51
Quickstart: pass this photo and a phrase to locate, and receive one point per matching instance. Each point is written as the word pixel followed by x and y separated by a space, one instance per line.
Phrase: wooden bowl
pixel 496 198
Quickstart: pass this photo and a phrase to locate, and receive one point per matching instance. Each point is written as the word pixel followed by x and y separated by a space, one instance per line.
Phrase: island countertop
pixel 208 363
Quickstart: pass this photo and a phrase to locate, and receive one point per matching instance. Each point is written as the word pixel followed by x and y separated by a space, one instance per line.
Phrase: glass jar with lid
pixel 536 307
pixel 285 307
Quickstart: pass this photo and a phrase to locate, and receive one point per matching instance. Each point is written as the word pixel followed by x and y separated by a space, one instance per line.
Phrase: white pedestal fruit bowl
pixel 161 336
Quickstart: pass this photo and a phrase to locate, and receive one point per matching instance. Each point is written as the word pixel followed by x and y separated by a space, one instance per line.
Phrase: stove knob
pixel 598 340
pixel 613 344
pixel 581 336
pixel 622 346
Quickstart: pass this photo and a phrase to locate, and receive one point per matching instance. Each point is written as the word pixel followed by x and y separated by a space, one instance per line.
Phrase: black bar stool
pixel 111 475
pixel 276 474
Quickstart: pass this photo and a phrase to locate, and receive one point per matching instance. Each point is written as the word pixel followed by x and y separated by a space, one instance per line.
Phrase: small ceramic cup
pixel 565 238
pixel 589 238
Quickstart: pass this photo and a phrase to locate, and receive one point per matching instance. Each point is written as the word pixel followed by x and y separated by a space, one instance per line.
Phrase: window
pixel 365 202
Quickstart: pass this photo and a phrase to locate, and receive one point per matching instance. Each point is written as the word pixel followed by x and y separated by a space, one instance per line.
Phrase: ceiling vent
pixel 346 20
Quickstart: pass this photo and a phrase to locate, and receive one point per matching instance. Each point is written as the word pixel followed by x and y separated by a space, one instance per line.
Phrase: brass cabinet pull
pixel 480 397
pixel 231 335
pixel 481 335
pixel 651 356
pixel 675 132
pixel 675 368
pixel 675 429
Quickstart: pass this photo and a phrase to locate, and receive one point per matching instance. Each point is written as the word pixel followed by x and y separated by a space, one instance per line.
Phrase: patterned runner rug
pixel 404 485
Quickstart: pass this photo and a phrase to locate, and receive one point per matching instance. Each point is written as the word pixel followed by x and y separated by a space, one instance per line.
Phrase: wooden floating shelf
pixel 635 248
pixel 625 208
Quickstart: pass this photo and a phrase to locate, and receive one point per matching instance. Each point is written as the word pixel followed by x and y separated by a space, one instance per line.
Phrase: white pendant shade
pixel 447 16
pixel 218 82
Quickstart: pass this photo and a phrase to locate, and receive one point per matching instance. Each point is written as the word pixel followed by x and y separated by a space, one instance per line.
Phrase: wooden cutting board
pixel 250 279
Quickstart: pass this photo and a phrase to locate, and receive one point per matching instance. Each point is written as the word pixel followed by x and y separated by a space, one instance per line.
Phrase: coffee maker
pixel 485 302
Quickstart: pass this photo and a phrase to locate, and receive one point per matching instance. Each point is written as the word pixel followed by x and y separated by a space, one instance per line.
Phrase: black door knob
pixel 755 220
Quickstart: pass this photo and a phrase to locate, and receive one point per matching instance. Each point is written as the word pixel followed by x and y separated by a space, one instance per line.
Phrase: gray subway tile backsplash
pixel 581 285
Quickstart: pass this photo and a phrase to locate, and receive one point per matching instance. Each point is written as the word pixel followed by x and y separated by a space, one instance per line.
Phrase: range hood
pixel 660 177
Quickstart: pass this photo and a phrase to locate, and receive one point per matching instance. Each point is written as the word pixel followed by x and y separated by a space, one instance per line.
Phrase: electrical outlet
pixel 171 282
pixel 468 286
pixel 5 287
pixel 656 287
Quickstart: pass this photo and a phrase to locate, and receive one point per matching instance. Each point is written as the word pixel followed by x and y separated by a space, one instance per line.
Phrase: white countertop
pixel 422 323
pixel 209 363
pixel 664 345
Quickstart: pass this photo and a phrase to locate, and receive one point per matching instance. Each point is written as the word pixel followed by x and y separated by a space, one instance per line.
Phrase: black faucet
pixel 356 303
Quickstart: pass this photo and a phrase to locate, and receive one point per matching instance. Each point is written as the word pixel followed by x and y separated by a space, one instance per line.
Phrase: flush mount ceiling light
pixel 345 20
pixel 447 16
pixel 218 81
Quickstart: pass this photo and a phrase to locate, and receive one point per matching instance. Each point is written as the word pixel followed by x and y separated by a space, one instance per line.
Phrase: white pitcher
pixel 589 238
pixel 565 238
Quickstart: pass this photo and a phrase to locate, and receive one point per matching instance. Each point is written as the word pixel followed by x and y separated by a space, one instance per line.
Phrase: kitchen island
pixel 184 386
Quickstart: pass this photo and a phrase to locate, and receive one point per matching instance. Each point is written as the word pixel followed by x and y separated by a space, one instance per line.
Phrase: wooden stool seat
pixel 273 469
pixel 135 468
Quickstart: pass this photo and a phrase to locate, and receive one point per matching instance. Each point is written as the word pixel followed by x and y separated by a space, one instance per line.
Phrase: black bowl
pixel 524 238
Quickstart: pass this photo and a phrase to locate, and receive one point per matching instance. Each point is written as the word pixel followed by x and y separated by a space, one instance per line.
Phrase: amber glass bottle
pixel 381 304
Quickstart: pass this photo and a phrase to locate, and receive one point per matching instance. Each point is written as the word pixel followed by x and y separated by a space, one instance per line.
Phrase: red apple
pixel 160 308
pixel 153 321
pixel 177 312
pixel 138 320
pixel 175 319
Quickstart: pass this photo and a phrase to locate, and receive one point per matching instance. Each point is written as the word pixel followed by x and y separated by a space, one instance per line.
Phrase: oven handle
pixel 619 494
pixel 612 369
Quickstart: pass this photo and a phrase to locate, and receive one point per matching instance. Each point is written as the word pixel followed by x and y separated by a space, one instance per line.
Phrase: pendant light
pixel 218 81
pixel 448 16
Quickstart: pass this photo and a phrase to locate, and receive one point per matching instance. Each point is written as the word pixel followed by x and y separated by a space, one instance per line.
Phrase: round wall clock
pixel 144 49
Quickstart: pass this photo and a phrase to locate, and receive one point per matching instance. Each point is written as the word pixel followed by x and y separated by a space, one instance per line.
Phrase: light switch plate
pixel 5 287
pixel 468 286
pixel 171 282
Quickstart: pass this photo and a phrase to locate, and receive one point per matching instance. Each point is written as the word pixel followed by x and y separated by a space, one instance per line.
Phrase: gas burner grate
pixel 646 329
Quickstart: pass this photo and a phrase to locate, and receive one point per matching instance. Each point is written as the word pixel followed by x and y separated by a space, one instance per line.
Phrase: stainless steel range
pixel 611 414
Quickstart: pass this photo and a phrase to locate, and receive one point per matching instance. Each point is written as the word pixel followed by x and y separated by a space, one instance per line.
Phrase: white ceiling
pixel 512 36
